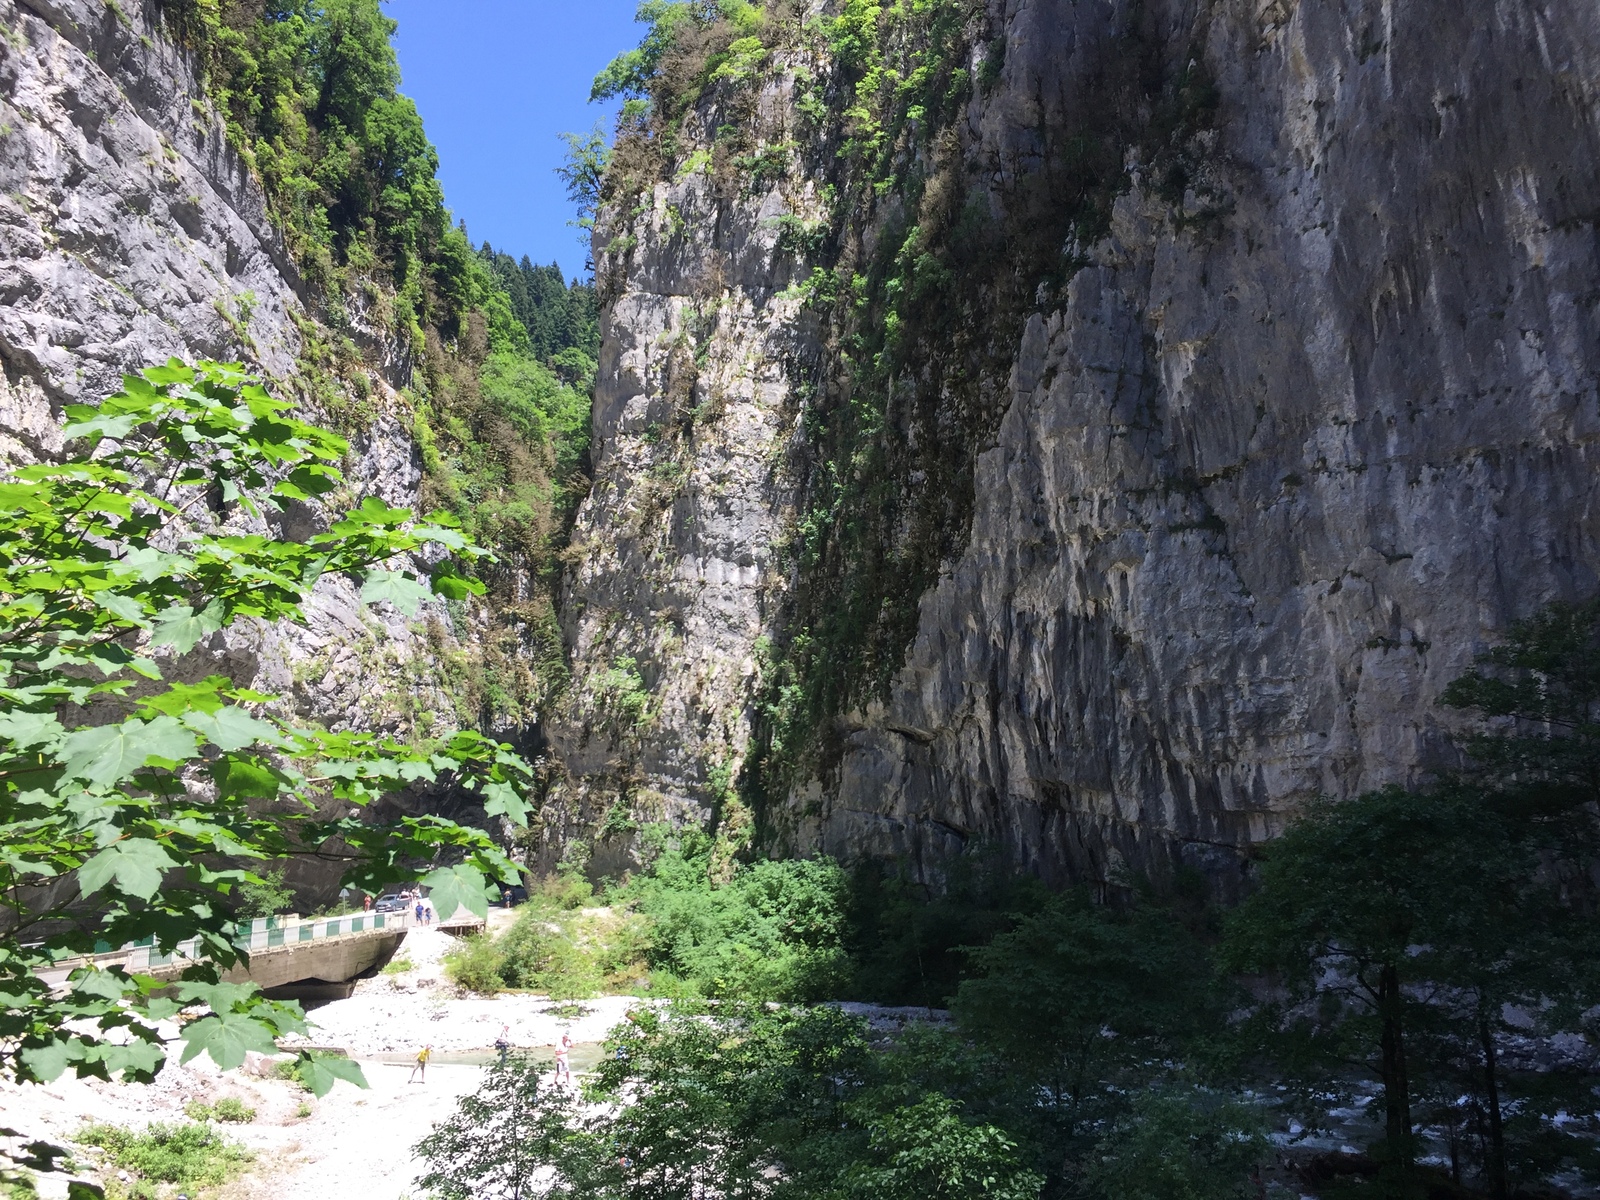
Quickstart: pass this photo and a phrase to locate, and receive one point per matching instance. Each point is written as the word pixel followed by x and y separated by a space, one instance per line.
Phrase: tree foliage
pixel 741 1102
pixel 505 352
pixel 308 91
pixel 135 799
pixel 1541 751
pixel 769 930
pixel 634 74
pixel 562 318
pixel 1420 936
pixel 501 1141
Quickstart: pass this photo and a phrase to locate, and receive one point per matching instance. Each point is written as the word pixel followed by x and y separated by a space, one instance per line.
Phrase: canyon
pixel 1244 470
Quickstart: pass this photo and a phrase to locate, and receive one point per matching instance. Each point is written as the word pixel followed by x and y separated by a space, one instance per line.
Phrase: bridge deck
pixel 283 951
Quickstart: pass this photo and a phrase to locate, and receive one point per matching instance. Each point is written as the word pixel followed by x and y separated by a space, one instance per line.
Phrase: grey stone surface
pixel 131 232
pixel 674 546
pixel 1266 480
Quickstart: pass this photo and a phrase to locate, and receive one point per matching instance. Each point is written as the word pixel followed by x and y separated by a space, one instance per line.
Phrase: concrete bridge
pixel 319 958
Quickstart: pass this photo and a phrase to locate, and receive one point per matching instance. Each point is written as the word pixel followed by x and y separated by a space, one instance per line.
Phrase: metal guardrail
pixel 264 934
pixel 275 933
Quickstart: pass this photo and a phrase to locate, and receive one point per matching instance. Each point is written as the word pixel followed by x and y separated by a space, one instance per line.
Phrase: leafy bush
pixel 565 955
pixel 190 1156
pixel 745 1101
pixel 926 1151
pixel 473 963
pixel 500 1138
pixel 107 573
pixel 266 898
pixel 909 943
pixel 1180 1144
pixel 774 931
pixel 230 1110
pixel 542 955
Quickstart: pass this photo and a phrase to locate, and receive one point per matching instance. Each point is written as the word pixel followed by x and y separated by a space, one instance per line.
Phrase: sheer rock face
pixel 1265 485
pixel 130 232
pixel 675 544
pixel 1276 462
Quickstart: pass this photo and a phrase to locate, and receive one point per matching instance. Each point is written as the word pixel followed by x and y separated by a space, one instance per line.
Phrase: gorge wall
pixel 131 232
pixel 1296 413
pixel 1094 428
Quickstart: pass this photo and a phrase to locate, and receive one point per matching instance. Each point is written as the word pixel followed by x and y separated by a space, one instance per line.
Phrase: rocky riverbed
pixel 353 1142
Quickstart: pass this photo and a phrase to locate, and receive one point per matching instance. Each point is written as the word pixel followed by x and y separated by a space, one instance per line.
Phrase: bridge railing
pixel 271 933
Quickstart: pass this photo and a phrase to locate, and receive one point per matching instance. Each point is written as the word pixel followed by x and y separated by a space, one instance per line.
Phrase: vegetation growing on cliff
pixel 498 356
pixel 933 253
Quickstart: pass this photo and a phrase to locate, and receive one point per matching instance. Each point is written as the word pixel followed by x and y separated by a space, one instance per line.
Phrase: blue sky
pixel 496 82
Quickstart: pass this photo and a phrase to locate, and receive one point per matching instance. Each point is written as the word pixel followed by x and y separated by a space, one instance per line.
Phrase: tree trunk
pixel 1495 1164
pixel 1396 1081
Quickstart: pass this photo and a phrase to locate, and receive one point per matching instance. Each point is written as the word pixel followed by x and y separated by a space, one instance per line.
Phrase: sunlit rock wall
pixel 130 233
pixel 1275 463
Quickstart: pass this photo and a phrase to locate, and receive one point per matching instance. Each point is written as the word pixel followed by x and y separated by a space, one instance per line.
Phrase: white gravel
pixel 354 1144
pixel 399 1014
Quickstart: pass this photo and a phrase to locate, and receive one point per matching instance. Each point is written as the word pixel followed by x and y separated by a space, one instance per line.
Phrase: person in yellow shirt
pixel 421 1068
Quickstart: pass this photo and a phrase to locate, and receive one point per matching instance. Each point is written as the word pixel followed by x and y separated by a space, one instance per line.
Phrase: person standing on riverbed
pixel 503 1043
pixel 564 1060
pixel 421 1068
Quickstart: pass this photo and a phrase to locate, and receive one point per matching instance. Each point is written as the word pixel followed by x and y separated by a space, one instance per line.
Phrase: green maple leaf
pixel 109 753
pixel 135 864
pixel 453 585
pixel 180 699
pixel 138 1060
pixel 319 1072
pixel 231 728
pixel 45 1063
pixel 126 607
pixel 417 769
pixel 227 1037
pixel 26 729
pixel 220 997
pixel 181 626
pixel 101 984
pixel 241 777
pixel 503 800
pixel 402 591
pixel 98 427
pixel 452 888
pixel 159 1008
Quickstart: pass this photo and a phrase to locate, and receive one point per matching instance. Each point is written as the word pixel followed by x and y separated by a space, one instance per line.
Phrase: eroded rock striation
pixel 1310 418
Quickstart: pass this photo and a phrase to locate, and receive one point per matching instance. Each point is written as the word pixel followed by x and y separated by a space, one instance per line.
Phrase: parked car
pixel 391 902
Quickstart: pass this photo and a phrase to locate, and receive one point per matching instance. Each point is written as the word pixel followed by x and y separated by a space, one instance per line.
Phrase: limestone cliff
pixel 131 232
pixel 1201 505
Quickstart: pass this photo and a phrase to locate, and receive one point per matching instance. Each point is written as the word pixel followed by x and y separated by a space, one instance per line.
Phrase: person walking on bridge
pixel 421 1068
